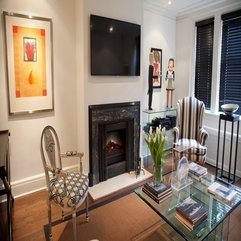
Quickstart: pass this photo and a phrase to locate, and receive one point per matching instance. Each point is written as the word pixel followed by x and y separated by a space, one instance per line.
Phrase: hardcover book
pixel 155 198
pixel 224 193
pixel 189 225
pixel 198 178
pixel 197 169
pixel 191 211
pixel 157 190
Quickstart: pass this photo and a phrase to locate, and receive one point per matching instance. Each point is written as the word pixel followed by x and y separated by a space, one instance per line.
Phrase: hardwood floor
pixel 30 216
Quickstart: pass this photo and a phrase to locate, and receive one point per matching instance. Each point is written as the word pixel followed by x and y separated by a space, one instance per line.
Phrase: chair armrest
pixel 203 136
pixel 71 154
pixel 57 171
pixel 176 134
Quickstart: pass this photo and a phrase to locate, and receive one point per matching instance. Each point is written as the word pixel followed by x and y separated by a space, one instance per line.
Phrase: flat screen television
pixel 115 47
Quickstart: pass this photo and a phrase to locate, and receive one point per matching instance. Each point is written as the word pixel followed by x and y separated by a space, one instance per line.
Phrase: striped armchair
pixel 189 131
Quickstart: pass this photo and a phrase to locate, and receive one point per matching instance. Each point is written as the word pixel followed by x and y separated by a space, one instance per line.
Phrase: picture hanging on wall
pixel 157 67
pixel 28 42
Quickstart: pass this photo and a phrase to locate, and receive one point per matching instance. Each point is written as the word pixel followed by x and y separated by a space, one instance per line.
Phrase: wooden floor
pixel 30 215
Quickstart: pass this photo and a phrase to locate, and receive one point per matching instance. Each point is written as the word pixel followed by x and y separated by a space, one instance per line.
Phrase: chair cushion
pixel 70 192
pixel 196 152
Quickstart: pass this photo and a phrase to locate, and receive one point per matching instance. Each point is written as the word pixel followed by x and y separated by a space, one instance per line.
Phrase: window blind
pixel 230 73
pixel 204 57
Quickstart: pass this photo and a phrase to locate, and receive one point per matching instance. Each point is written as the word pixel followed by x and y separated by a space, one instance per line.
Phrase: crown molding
pixel 185 8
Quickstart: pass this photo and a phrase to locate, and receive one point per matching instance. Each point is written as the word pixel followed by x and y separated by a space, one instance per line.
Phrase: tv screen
pixel 115 47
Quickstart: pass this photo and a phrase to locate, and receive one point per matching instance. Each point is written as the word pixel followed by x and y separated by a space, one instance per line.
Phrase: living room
pixel 75 88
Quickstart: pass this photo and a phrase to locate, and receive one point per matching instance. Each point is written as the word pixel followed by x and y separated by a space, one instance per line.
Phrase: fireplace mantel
pixel 100 115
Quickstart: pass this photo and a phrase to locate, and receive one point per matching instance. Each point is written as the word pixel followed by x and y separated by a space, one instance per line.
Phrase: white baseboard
pixel 32 184
pixel 28 185
pixel 225 167
pixel 35 183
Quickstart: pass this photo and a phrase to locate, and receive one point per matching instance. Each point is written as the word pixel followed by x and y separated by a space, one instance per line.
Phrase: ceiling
pixel 179 8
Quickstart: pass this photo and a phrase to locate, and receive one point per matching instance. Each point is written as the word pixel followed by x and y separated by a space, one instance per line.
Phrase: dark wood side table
pixel 220 172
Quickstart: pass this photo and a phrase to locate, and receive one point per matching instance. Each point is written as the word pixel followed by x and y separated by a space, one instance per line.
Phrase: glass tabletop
pixel 218 211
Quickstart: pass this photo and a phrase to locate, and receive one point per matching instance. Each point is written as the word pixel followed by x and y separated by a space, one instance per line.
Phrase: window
pixel 204 58
pixel 230 72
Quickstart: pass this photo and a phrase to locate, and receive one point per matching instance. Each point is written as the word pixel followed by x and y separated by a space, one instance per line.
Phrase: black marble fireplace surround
pixel 122 119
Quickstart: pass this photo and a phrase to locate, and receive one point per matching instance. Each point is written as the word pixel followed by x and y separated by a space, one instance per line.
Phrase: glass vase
pixel 157 172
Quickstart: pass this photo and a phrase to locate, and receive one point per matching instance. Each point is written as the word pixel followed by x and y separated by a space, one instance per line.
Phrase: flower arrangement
pixel 156 142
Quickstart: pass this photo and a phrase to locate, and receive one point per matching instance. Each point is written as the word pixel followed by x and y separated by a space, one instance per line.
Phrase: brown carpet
pixel 125 217
pixel 120 220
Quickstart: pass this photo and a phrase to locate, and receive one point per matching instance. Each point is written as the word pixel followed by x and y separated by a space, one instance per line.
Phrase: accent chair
pixel 189 134
pixel 67 190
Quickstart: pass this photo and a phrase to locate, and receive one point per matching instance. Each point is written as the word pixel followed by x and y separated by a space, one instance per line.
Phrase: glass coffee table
pixel 215 227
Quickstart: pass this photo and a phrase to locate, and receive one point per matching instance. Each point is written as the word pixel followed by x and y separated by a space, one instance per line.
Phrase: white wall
pixel 157 32
pixel 184 52
pixel 185 70
pixel 160 33
pixel 74 87
pixel 111 89
pixel 107 89
pixel 26 163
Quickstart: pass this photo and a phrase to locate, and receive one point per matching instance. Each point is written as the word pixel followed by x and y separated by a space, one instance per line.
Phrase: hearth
pixel 114 132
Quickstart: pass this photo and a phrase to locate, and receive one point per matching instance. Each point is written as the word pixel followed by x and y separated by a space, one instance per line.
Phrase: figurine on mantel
pixel 150 80
pixel 170 76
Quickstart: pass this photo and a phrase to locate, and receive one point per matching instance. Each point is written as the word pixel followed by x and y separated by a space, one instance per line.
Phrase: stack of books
pixel 224 192
pixel 157 193
pixel 191 213
pixel 197 171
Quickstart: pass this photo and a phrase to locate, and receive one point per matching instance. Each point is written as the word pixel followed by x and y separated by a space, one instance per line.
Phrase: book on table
pixel 191 213
pixel 197 171
pixel 225 193
pixel 158 199
pixel 157 192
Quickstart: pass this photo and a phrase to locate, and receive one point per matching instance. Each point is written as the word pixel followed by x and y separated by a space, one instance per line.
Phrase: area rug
pixel 117 183
pixel 118 220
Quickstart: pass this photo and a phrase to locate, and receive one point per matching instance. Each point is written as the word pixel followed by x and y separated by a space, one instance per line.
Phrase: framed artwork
pixel 157 67
pixel 29 62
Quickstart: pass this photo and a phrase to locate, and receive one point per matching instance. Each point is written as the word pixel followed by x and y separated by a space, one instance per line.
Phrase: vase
pixel 157 172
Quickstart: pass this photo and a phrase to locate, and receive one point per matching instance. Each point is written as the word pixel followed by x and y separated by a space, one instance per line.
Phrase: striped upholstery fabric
pixel 189 131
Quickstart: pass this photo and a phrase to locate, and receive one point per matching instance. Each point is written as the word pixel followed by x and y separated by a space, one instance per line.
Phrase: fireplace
pixel 113 139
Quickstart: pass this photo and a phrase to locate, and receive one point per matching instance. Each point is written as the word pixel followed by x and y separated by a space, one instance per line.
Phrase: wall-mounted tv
pixel 115 47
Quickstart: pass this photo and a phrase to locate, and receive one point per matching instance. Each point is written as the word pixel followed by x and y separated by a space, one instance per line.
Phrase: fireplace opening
pixel 115 146
pixel 114 139
pixel 116 156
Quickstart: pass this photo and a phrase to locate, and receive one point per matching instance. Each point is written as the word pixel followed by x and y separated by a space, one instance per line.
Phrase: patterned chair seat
pixel 68 192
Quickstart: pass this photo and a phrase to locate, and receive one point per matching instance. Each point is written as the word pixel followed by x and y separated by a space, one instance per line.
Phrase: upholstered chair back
pixel 190 117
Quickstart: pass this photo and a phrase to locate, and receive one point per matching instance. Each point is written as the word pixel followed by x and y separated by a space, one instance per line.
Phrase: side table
pixel 220 171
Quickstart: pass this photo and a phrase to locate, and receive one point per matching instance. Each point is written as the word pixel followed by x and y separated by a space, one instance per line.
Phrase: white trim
pixel 32 184
pixel 28 185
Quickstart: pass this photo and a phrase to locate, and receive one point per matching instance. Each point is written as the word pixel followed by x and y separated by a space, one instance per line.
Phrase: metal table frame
pixel 231 177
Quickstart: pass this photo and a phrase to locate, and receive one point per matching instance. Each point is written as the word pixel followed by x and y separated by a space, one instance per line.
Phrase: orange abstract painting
pixel 29 46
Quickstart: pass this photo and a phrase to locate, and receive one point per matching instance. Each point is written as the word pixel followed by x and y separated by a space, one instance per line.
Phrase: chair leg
pixel 87 209
pixel 50 221
pixel 74 225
